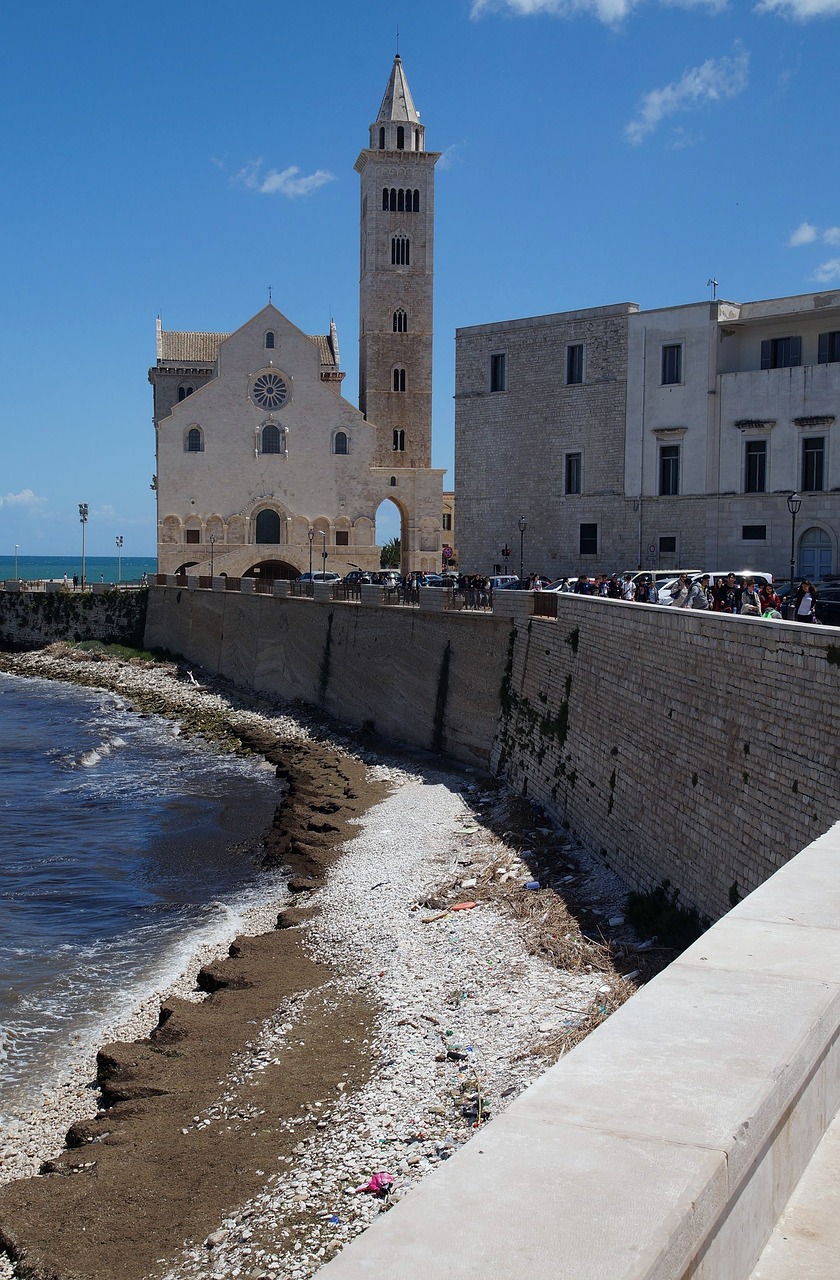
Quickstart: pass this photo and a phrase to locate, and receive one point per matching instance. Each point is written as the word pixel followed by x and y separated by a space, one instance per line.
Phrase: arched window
pixel 185 390
pixel 269 340
pixel 382 139
pixel 194 442
pixel 272 439
pixel 340 442
pixel 400 321
pixel 416 139
pixel 267 527
pixel 401 201
pixel 393 482
pixel 416 201
pixel 392 199
pixel 399 379
pixel 400 255
pixel 385 199
pixel 400 138
pixel 399 440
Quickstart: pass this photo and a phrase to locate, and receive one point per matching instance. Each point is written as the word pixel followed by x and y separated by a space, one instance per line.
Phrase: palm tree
pixel 390 555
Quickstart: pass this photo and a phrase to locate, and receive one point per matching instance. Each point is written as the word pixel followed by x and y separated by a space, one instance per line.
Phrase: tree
pixel 390 555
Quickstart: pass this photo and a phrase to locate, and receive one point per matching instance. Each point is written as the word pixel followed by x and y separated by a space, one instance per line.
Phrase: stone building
pixel 653 438
pixel 539 435
pixel 263 468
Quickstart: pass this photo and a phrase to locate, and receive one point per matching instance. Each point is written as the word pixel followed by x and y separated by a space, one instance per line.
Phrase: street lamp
pixel 794 502
pixel 522 525
pixel 17 545
pixel 119 557
pixel 83 516
pixel 311 536
pixel 212 553
pixel 324 551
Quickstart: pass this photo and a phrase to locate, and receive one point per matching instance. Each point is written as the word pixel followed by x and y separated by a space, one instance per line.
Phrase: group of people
pixel 727 595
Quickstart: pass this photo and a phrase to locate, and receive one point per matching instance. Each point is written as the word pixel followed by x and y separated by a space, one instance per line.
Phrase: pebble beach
pixel 452 914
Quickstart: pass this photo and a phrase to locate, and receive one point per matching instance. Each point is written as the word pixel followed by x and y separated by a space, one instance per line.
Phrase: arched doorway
pixel 267 526
pixel 271 570
pixel 392 534
pixel 815 554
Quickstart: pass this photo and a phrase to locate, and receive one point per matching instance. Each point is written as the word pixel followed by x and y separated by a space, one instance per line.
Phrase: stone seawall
pixel 33 619
pixel 698 749
pixel 427 680
pixel 695 748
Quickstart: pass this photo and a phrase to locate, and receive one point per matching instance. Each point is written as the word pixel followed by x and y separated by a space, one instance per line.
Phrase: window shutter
pixel 795 352
pixel 822 354
pixel 765 354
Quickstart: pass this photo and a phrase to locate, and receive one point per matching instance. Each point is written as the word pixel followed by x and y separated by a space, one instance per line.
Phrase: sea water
pixel 97 568
pixel 123 848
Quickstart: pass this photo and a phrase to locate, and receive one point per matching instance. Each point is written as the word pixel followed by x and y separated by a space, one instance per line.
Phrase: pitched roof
pixel 203 348
pixel 398 103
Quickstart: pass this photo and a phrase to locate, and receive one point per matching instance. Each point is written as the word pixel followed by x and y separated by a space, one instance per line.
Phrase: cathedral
pixel 261 462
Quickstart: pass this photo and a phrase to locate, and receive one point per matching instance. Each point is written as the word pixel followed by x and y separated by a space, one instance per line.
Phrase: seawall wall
pixel 33 619
pixel 698 749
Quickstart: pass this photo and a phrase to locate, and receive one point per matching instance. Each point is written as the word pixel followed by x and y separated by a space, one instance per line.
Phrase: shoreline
pixel 449 1016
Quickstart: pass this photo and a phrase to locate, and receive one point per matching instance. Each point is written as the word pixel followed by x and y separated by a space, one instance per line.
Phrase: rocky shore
pixel 418 982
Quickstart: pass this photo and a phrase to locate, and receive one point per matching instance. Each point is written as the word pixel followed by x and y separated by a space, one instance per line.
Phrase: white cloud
pixel 827 271
pixel 26 498
pixel 800 10
pixel 286 182
pixel 714 81
pixel 608 11
pixel 450 156
pixel 831 235
pixel 805 233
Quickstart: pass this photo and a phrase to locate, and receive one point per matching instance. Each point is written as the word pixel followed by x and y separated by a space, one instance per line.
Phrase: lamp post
pixel 311 536
pixel 119 557
pixel 17 545
pixel 212 554
pixel 794 502
pixel 324 551
pixel 522 525
pixel 83 516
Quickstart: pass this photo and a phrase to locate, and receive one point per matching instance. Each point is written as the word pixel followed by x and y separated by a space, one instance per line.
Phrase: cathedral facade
pixel 263 468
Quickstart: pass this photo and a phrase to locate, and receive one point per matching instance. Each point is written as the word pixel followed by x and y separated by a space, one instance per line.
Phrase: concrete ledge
pixel 218 584
pixel 433 599
pixel 372 594
pixel 513 604
pixel 667 1144
pixel 322 592
pixel 246 586
pixel 281 587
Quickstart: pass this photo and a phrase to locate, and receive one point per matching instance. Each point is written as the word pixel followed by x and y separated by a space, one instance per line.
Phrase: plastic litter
pixel 532 884
pixel 378 1185
pixel 463 906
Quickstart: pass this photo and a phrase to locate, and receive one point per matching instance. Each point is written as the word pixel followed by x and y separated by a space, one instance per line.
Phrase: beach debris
pixel 377 1185
pixel 532 884
pixel 463 906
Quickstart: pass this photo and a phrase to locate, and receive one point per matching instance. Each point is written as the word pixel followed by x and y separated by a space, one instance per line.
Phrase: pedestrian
pixel 628 588
pixel 698 594
pixel 679 591
pixel 770 603
pixel 75 581
pixel 750 601
pixel 806 601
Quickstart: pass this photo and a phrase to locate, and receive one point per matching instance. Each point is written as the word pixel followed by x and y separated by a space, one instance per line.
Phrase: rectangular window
pixel 669 470
pixel 193 535
pixel 498 372
pixel 672 364
pixel 573 469
pixel 754 533
pixel 813 464
pixel 447 521
pixel 781 353
pixel 668 545
pixel 829 348
pixel 588 540
pixel 574 364
pixel 342 537
pixel 755 467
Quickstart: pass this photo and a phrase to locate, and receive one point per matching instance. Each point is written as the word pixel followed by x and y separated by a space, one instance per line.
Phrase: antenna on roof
pixel 269 293
pixel 712 284
pixel 398 42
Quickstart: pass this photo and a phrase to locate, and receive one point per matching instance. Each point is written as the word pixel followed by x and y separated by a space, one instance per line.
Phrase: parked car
pixel 828 605
pixel 356 577
pixel 320 577
pixel 501 580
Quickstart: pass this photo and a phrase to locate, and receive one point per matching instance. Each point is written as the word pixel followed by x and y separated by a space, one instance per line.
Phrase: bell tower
pixel 397 176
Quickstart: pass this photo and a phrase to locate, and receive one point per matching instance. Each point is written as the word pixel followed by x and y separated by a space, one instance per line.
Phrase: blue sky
pixel 179 158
